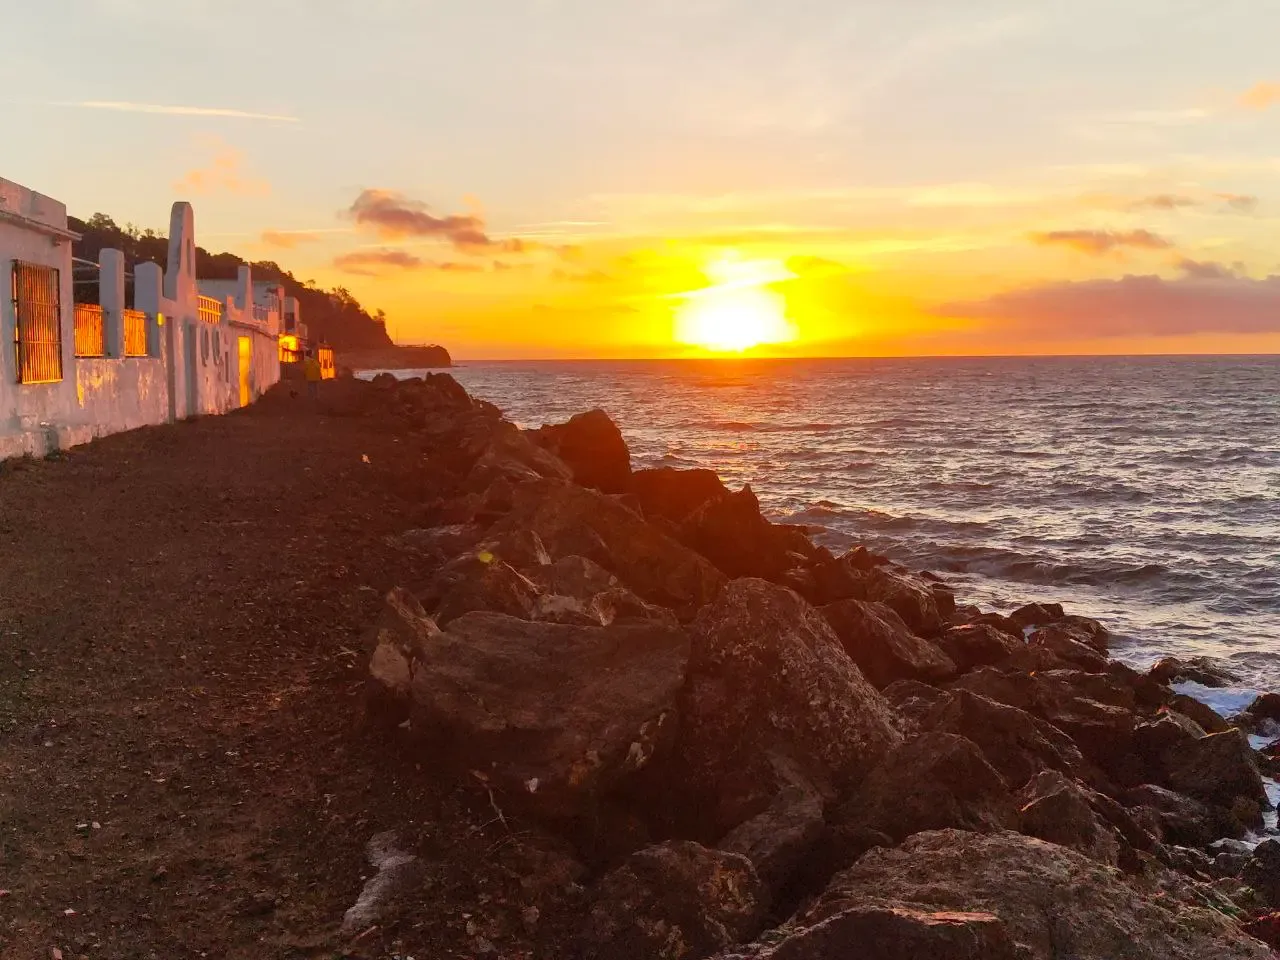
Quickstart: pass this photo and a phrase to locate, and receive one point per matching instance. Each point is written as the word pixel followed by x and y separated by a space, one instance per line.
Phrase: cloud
pixel 1164 201
pixel 373 262
pixel 180 111
pixel 1261 96
pixel 1242 202
pixel 582 276
pixel 224 173
pixel 394 216
pixel 1207 298
pixel 1206 270
pixel 1099 242
pixel 288 239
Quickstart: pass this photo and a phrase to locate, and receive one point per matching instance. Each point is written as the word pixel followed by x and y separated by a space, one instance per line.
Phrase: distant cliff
pixel 333 316
pixel 418 357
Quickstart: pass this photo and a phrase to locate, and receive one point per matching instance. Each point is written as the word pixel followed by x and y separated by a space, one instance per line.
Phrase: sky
pixel 636 178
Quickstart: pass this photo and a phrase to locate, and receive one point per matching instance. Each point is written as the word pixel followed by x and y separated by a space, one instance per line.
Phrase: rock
pixel 1016 743
pixel 575 589
pixel 889 931
pixel 913 701
pixel 1061 811
pixel 1265 928
pixel 1055 902
pixel 675 901
pixel 1037 615
pixel 1218 769
pixel 443 542
pixel 975 645
pixel 675 494
pixel 479 581
pixel 880 644
pixel 911 597
pixel 1068 647
pixel 730 531
pixel 552 520
pixel 592 446
pixel 1087 630
pixel 936 780
pixel 778 840
pixel 1001 623
pixel 1183 821
pixel 396 644
pixel 546 866
pixel 835 580
pixel 1263 714
pixel 1204 715
pixel 1262 871
pixel 768 677
pixel 507 452
pixel 556 713
pixel 397 875
pixel 1202 670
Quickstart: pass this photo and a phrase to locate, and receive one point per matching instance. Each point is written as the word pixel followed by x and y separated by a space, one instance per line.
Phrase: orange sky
pixel 560 178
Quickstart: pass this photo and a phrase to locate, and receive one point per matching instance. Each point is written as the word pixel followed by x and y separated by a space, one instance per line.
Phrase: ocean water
pixel 1141 491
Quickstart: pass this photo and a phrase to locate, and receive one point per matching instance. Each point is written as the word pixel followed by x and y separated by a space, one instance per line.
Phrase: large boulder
pixel 911 596
pixel 934 781
pixel 1060 810
pixel 551 520
pixel 592 446
pixel 731 532
pixel 1205 671
pixel 1218 769
pixel 768 677
pixel 674 901
pixel 1055 902
pixel 976 645
pixel 558 713
pixel 778 840
pixel 1016 743
pixel 575 589
pixel 884 649
pixel 674 495
pixel 1181 820
pixel 396 644
pixel 477 580
pixel 883 930
pixel 504 451
pixel 1069 646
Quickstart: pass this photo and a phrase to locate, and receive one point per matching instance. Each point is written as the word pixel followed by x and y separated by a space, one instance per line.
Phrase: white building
pixel 69 373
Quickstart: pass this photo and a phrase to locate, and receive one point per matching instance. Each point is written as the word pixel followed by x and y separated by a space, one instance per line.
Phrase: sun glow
pixel 737 311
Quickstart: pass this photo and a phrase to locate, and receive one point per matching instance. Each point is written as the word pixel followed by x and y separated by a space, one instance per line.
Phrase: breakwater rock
pixel 752 748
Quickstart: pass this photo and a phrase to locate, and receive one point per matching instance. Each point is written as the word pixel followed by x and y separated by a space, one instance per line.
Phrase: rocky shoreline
pixel 727 742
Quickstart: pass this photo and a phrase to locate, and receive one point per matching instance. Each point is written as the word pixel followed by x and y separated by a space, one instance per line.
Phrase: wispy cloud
pixel 123 106
pixel 394 216
pixel 1206 298
pixel 1099 242
pixel 373 262
pixel 385 259
pixel 1164 201
pixel 224 173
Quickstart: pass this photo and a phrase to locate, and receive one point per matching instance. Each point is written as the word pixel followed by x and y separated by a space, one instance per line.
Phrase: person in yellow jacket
pixel 311 370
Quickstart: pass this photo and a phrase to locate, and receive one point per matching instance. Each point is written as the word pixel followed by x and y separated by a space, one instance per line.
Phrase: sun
pixel 738 310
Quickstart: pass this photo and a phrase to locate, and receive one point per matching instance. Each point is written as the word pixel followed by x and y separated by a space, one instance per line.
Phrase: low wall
pixel 199 361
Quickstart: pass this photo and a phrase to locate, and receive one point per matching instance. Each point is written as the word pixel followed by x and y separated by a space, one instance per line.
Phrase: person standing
pixel 311 370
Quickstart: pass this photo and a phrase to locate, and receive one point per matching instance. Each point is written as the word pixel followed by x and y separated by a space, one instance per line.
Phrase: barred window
pixel 37 333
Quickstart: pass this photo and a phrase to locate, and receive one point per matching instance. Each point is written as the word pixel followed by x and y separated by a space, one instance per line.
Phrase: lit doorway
pixel 246 362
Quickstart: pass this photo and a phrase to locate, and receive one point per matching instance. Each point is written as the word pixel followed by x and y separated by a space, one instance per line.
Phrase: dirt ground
pixel 183 767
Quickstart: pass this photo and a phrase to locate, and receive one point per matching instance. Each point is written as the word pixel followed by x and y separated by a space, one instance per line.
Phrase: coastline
pixel 802 720
pixel 426 684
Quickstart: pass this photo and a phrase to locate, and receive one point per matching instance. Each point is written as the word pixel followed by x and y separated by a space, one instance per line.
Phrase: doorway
pixel 246 363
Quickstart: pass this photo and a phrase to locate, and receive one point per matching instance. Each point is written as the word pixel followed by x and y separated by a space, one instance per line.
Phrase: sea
pixel 1143 491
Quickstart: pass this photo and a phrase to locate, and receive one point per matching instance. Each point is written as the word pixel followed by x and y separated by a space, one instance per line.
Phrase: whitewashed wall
pixel 194 367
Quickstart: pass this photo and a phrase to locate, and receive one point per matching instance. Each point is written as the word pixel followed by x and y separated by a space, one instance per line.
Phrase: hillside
pixel 333 316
